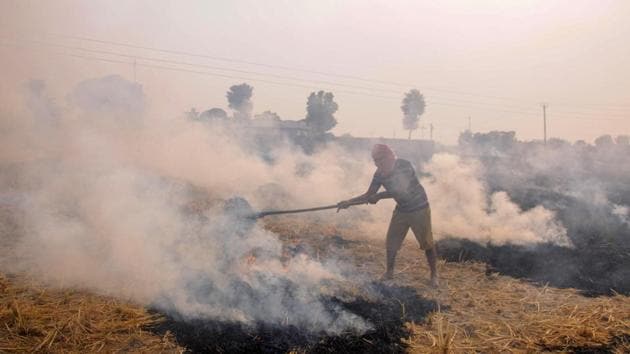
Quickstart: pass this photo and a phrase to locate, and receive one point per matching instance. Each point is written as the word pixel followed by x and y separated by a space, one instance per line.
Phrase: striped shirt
pixel 404 186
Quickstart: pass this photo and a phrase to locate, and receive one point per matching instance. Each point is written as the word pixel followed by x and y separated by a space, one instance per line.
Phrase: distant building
pixel 278 128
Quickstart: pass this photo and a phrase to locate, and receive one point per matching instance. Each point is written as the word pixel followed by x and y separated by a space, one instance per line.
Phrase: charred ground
pixel 598 264
pixel 587 189
pixel 388 316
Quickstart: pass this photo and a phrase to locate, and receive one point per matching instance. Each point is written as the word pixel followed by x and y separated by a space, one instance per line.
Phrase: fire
pixel 250 259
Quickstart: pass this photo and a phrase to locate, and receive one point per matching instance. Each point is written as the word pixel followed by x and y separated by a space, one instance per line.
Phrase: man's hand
pixel 344 204
pixel 374 198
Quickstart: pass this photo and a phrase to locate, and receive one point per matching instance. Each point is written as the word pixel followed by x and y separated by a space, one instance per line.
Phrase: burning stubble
pixel 104 199
pixel 106 192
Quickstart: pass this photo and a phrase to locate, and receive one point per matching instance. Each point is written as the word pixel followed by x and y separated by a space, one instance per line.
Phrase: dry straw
pixel 480 311
pixel 38 319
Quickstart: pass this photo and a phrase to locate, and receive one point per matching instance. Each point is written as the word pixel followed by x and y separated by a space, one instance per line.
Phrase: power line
pixel 448 102
pixel 168 61
pixel 439 102
pixel 230 76
pixel 602 108
pixel 330 74
pixel 233 60
pixel 232 70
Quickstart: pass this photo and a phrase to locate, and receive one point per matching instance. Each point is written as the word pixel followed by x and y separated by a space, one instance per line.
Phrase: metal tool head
pixel 240 213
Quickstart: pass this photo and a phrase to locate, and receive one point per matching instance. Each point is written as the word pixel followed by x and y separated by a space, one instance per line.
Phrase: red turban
pixel 382 150
pixel 384 159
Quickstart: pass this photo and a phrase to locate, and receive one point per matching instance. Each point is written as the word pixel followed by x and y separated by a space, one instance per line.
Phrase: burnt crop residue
pixel 598 269
pixel 392 307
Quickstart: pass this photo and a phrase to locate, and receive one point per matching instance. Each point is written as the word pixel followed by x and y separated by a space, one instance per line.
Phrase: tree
pixel 239 100
pixel 320 110
pixel 622 140
pixel 580 144
pixel 557 143
pixel 412 106
pixel 501 141
pixel 604 141
pixel 213 114
pixel 268 115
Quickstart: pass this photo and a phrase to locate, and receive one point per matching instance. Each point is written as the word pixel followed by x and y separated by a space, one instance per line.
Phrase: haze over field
pixel 494 62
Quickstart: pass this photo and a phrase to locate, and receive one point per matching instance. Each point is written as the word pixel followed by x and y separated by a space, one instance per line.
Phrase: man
pixel 399 179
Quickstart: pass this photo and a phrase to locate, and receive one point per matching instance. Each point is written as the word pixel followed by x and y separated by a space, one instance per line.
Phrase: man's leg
pixel 432 260
pixel 421 226
pixel 395 235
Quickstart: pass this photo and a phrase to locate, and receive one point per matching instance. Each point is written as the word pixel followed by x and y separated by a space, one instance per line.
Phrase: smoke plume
pixel 107 197
pixel 463 207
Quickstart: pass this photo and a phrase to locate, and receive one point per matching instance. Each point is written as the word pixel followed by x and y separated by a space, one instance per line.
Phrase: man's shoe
pixel 387 276
pixel 435 283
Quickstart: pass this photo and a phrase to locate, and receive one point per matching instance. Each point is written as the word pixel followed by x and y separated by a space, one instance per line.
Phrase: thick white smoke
pixel 622 212
pixel 461 206
pixel 104 192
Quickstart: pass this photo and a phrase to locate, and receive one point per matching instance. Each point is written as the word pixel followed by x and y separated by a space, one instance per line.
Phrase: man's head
pixel 384 158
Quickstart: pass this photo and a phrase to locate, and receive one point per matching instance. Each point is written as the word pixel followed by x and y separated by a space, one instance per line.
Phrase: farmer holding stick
pixel 399 179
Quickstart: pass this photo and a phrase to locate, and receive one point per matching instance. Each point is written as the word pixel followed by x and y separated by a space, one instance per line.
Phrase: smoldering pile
pixel 381 309
pixel 249 278
pixel 214 264
pixel 388 313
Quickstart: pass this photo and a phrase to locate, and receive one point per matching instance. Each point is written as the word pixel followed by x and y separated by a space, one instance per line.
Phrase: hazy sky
pixel 495 61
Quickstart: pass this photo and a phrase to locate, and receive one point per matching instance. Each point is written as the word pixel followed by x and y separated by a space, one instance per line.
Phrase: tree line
pixel 320 109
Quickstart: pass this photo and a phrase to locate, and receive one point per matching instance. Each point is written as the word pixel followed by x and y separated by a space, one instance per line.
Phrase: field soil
pixel 474 309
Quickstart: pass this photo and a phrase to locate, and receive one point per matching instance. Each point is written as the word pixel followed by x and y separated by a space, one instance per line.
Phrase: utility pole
pixel 431 131
pixel 469 125
pixel 544 107
pixel 134 71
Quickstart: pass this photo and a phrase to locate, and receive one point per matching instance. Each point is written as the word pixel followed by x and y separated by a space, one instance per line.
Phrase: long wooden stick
pixel 293 211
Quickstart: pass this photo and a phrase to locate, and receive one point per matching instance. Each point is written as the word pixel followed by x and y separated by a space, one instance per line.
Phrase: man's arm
pixel 374 198
pixel 361 199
